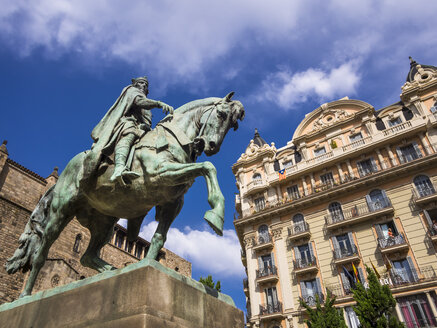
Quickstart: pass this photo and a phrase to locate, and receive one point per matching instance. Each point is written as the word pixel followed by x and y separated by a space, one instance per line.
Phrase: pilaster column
pixel 399 313
pixel 431 303
pixel 349 168
pixel 380 159
pixel 418 104
pixel 278 193
pixel 305 187
pixel 425 143
pixel 284 276
pixel 313 181
pixel 124 242
pixel 252 266
pixel 340 172
pixel 390 154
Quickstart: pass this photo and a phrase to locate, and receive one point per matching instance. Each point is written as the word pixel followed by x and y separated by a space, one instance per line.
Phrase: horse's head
pixel 216 121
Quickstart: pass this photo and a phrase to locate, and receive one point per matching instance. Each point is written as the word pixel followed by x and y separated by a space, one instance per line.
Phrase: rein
pixel 202 129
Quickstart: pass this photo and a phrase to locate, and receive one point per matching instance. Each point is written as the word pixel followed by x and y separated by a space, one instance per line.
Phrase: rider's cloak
pixel 107 131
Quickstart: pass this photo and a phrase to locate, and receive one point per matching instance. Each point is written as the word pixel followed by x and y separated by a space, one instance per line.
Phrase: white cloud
pixel 219 256
pixel 287 89
pixel 122 222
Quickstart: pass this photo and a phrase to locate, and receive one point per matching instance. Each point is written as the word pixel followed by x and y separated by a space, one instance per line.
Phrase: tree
pixel 324 316
pixel 375 305
pixel 210 283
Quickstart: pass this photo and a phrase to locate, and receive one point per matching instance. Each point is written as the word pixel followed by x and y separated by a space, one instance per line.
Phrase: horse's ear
pixel 229 96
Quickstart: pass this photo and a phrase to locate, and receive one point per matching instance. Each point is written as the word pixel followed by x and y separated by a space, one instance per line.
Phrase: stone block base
pixel 144 294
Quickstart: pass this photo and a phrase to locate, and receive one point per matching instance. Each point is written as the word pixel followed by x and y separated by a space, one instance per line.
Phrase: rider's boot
pixel 122 150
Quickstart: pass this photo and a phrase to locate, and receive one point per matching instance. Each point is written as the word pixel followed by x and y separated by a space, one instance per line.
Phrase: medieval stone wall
pixel 20 190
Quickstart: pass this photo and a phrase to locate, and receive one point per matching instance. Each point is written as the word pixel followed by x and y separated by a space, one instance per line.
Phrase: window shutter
pixel 412 268
pixel 345 281
pixel 310 244
pixel 319 286
pixel 360 169
pixel 335 243
pixel 275 296
pixel 369 202
pixel 428 218
pixel 303 289
pixel 260 263
pixel 273 259
pixel 351 238
pixel 417 149
pixel 379 231
pixel 400 155
pixel 386 199
pixel 361 275
pixel 296 253
pixel 374 166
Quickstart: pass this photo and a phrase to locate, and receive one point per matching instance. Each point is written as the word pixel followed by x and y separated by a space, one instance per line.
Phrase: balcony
pixel 393 244
pixel 358 213
pixel 357 144
pixel 346 255
pixel 245 286
pixel 320 158
pixel 255 186
pixel 368 169
pixel 299 230
pixel 404 277
pixel 340 291
pixel 238 203
pixel 311 299
pixel 267 274
pixel 243 257
pixel 395 129
pixel 424 194
pixel 432 232
pixel 302 266
pixel 271 311
pixel 263 242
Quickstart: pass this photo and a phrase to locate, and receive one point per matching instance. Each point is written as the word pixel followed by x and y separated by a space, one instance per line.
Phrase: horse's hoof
pixel 215 222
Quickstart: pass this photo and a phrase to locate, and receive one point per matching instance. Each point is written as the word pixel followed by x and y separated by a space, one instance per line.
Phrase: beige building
pixel 20 190
pixel 355 185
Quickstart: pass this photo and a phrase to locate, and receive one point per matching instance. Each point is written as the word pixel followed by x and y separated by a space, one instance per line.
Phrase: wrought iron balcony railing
pixel 339 290
pixel 379 204
pixel 401 277
pixel 264 239
pixel 267 271
pixel 276 307
pixel 298 228
pixel 311 299
pixel 390 241
pixel 304 263
pixel 423 191
pixel 342 253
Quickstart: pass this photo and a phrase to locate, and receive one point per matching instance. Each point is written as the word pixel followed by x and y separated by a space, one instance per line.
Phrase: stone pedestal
pixel 144 294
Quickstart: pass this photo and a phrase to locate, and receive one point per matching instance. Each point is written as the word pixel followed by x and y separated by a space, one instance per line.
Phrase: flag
pixel 387 263
pixel 282 174
pixel 355 272
pixel 374 269
pixel 346 272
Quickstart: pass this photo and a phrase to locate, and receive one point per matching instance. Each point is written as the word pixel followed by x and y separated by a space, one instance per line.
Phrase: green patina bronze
pixel 127 172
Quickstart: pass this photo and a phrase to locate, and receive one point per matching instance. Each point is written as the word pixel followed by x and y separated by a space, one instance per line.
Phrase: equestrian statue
pixel 130 169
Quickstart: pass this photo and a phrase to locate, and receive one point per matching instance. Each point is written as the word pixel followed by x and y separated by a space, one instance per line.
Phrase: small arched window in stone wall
pixel 77 243
pixel 55 280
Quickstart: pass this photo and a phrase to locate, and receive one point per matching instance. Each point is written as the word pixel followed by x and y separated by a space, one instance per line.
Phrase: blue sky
pixel 63 63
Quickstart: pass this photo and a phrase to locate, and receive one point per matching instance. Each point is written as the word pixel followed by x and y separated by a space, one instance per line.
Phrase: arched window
pixel 423 185
pixel 298 223
pixel 336 212
pixel 263 234
pixel 77 242
pixel 377 199
pixel 256 178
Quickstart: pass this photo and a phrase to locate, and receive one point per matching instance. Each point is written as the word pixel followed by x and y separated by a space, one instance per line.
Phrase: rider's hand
pixel 166 109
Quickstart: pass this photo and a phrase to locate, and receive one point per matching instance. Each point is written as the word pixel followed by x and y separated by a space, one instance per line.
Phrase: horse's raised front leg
pixel 165 215
pixel 173 174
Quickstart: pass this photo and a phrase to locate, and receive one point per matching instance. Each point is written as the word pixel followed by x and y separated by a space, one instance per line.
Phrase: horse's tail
pixel 31 238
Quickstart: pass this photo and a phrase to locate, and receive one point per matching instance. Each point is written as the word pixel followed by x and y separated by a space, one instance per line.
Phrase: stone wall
pixel 20 190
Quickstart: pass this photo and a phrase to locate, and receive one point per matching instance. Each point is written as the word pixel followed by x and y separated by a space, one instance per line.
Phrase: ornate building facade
pixel 20 191
pixel 354 186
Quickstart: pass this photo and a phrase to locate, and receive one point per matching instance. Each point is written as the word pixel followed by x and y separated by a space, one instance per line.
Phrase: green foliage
pixel 333 144
pixel 210 283
pixel 324 316
pixel 375 305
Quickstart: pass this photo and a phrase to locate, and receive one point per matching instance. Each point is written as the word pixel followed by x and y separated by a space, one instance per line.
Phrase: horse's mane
pixel 196 103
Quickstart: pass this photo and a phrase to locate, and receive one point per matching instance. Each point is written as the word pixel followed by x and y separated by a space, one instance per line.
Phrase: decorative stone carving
pixel 277 233
pixel 329 117
pixel 249 241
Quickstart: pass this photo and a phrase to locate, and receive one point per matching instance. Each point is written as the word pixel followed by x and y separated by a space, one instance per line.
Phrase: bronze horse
pixel 165 159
